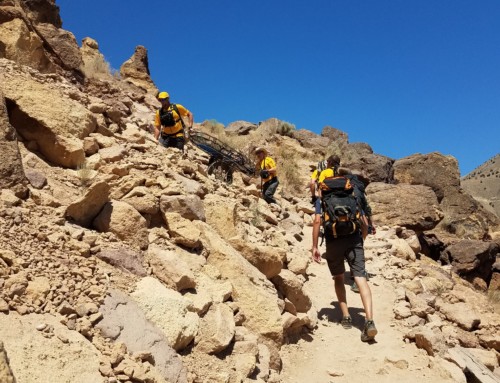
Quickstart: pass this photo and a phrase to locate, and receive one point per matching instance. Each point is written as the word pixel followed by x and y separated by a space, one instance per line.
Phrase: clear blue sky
pixel 404 76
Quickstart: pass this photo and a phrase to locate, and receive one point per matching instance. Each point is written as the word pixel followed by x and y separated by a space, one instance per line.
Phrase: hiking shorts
pixel 172 141
pixel 349 248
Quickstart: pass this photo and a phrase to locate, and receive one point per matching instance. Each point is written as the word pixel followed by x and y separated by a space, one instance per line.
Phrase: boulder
pixel 291 287
pixel 221 214
pixel 412 206
pixel 56 127
pixel 472 258
pixel 170 269
pixel 124 221
pixel 168 310
pixel 216 330
pixel 187 206
pixel 269 260
pixel 124 259
pixel 124 321
pixel 435 170
pixel 85 209
pixel 21 337
pixel 240 128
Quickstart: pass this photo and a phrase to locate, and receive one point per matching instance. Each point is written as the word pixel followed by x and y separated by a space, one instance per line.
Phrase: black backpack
pixel 167 116
pixel 341 211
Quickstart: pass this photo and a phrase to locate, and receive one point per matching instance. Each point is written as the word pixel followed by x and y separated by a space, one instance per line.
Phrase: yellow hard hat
pixel 163 95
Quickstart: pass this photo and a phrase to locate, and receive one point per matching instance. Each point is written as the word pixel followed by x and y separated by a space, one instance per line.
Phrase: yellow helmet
pixel 163 95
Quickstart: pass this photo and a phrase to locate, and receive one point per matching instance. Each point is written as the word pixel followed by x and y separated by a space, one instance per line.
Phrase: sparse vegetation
pixel 85 174
pixel 288 170
pixel 98 67
pixel 285 129
pixel 214 128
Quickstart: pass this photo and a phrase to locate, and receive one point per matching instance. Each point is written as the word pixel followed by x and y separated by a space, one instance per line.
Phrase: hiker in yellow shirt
pixel 169 125
pixel 267 172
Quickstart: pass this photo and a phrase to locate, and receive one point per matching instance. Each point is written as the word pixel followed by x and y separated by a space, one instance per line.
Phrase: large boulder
pixel 136 70
pixel 85 209
pixel 412 206
pixel 41 355
pixel 435 170
pixel 255 296
pixel 168 310
pixel 57 127
pixel 221 214
pixel 124 321
pixel 64 45
pixel 359 156
pixel 269 260
pixel 472 258
pixel 124 221
pixel 11 167
pixel 465 217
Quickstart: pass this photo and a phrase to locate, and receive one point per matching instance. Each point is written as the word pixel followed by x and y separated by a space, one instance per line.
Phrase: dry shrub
pixel 284 129
pixel 96 67
pixel 288 170
pixel 214 128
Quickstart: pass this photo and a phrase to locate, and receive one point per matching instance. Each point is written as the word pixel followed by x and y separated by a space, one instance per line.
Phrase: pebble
pixel 41 326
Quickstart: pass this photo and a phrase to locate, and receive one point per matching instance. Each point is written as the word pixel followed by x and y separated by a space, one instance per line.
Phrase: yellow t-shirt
pixel 268 163
pixel 177 128
pixel 314 175
pixel 326 174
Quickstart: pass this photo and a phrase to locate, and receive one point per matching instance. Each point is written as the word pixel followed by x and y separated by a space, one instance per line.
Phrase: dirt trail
pixel 333 354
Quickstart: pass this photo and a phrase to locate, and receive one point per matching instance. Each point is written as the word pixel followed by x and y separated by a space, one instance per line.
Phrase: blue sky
pixel 404 76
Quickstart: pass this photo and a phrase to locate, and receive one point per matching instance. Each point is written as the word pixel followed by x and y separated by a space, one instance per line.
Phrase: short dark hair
pixel 333 160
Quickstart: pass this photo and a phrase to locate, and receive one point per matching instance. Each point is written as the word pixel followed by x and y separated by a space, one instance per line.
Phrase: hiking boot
pixel 369 331
pixel 355 288
pixel 346 322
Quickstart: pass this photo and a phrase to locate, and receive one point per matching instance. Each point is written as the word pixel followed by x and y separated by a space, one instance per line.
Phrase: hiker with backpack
pixel 268 177
pixel 169 124
pixel 341 218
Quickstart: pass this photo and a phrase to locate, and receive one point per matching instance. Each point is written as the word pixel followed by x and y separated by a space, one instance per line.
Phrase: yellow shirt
pixel 177 128
pixel 314 175
pixel 268 163
pixel 326 174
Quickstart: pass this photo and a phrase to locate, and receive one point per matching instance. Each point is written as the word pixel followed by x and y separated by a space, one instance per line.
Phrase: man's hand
pixel 313 200
pixel 316 256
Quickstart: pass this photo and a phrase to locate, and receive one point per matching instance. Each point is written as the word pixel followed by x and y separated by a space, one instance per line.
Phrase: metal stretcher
pixel 224 160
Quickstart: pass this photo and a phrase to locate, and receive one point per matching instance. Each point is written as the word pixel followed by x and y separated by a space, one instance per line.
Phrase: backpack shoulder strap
pixel 174 107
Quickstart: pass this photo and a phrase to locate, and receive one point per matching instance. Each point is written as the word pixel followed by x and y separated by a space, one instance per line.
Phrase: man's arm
pixel 316 256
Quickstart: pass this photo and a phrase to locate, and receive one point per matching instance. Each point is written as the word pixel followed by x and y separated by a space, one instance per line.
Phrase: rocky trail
pixel 331 354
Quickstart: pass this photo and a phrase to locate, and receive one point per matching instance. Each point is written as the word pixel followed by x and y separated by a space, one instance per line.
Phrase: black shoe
pixel 355 288
pixel 346 322
pixel 369 331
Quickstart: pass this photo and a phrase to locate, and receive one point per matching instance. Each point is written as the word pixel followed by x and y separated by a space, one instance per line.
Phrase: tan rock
pixel 170 269
pixel 168 310
pixel 216 330
pixel 123 220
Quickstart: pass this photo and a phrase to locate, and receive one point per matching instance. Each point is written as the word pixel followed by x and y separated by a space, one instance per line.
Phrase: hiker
pixel 267 172
pixel 169 125
pixel 359 182
pixel 313 182
pixel 343 240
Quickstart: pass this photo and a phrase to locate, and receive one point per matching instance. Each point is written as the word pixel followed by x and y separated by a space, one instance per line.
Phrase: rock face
pixel 472 258
pixel 57 127
pixel 11 168
pixel 463 215
pixel 412 206
pixel 136 70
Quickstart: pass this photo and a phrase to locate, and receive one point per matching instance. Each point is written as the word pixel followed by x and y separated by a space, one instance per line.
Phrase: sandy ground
pixel 333 354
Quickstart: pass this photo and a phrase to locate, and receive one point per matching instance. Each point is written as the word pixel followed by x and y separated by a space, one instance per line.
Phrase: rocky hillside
pixel 121 260
pixel 483 183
